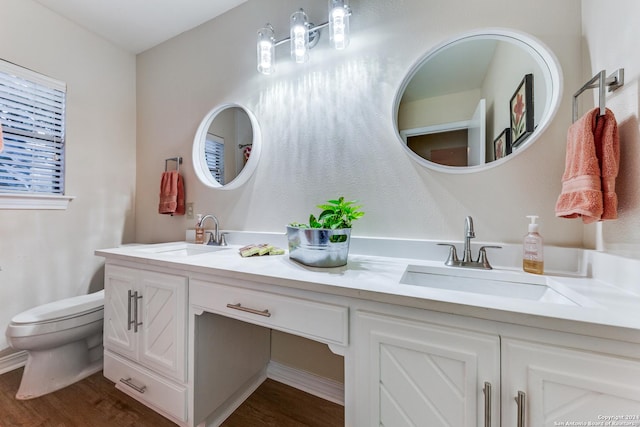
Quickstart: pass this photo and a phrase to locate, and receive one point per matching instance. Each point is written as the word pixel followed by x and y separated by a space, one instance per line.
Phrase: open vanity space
pixel 187 333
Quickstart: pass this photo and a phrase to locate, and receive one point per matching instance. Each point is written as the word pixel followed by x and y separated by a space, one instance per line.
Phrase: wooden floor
pixel 277 405
pixel 95 402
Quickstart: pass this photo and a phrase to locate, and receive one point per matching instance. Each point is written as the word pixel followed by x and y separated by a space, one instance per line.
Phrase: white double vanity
pixel 187 332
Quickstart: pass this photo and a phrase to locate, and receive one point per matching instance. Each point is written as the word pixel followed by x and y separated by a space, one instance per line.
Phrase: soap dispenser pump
pixel 532 251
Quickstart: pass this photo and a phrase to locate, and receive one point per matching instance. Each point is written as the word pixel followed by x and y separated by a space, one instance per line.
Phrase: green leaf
pixel 335 214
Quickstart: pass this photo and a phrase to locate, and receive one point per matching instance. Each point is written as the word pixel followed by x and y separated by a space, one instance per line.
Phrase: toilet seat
pixel 57 316
pixel 60 310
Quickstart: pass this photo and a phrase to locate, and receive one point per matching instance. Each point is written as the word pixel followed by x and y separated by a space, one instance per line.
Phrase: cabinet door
pixel 412 373
pixel 163 333
pixel 568 387
pixel 118 336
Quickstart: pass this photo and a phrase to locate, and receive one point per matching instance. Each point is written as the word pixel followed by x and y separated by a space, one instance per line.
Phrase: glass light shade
pixel 299 26
pixel 339 23
pixel 266 50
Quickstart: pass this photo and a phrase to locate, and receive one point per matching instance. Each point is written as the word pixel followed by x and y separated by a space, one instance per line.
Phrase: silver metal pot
pixel 319 247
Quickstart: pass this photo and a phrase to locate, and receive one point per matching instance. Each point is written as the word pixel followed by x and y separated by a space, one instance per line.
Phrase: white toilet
pixel 63 341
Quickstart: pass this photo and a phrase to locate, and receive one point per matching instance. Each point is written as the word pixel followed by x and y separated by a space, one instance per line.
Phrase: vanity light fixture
pixel 266 50
pixel 299 35
pixel 303 35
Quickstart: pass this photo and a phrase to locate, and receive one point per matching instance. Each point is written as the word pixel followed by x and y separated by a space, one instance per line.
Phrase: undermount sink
pixel 181 249
pixel 502 283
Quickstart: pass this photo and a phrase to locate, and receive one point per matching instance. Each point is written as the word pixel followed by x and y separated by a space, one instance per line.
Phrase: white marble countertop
pixel 605 310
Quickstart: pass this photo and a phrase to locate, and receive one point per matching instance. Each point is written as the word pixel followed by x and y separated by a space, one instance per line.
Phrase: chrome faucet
pixel 215 238
pixel 469 234
pixel 467 260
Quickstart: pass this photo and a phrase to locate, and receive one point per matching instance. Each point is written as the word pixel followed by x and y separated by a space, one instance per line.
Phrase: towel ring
pixel 178 161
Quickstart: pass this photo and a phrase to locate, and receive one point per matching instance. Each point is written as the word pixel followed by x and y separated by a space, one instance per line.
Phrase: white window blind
pixel 32 114
pixel 214 155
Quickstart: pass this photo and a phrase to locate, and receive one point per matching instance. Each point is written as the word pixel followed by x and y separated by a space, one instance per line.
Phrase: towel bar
pixel 178 161
pixel 600 81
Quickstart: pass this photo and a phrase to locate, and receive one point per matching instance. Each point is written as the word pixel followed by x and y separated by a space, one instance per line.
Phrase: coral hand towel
pixel 608 152
pixel 591 166
pixel 171 194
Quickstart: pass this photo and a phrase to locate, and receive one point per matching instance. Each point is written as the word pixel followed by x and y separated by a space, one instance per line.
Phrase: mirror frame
pixel 541 54
pixel 199 161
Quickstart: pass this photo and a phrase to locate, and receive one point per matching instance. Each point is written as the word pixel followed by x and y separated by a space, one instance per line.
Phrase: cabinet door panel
pixel 425 382
pixel 422 374
pixel 565 385
pixel 162 344
pixel 117 335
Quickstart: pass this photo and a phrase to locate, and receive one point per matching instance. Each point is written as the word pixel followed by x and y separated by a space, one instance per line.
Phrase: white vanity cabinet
pixel 559 386
pixel 413 373
pixel 145 338
pixel 411 358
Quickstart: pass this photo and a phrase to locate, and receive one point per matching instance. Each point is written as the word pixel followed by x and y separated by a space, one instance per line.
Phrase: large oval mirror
pixel 226 147
pixel 476 100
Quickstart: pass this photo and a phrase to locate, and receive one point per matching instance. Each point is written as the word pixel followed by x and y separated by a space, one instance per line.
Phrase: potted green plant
pixel 324 241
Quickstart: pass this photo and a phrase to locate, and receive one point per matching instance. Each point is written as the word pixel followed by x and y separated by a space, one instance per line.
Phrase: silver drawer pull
pixel 136 311
pixel 129 306
pixel 264 313
pixel 487 404
pixel 130 383
pixel 521 401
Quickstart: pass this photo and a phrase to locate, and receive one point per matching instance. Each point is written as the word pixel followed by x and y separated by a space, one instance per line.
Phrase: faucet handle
pixel 482 256
pixel 223 239
pixel 453 254
pixel 211 240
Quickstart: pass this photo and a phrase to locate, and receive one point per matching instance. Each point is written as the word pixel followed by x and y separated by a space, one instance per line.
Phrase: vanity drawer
pixel 314 320
pixel 159 394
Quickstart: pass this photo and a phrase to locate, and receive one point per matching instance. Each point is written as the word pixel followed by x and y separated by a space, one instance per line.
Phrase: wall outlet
pixel 189 210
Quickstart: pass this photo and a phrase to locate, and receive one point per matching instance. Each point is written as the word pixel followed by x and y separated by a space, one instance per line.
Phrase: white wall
pixel 610 35
pixel 327 125
pixel 48 255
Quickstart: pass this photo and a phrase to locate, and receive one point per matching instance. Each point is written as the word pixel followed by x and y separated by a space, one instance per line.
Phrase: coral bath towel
pixel 591 168
pixel 171 194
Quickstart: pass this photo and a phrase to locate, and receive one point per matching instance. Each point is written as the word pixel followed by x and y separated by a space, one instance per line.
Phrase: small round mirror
pixel 476 100
pixel 226 147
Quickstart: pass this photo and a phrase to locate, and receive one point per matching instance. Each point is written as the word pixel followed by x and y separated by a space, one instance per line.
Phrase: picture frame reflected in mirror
pixel 502 144
pixel 521 111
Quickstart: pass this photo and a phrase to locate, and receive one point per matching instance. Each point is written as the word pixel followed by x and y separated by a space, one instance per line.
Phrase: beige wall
pixel 48 255
pixel 338 107
pixel 610 35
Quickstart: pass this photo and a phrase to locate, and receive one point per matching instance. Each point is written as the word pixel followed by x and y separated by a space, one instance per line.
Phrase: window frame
pixel 28 199
pixel 214 149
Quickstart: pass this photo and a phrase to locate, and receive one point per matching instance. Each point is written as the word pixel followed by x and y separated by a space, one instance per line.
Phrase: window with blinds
pixel 214 155
pixel 32 115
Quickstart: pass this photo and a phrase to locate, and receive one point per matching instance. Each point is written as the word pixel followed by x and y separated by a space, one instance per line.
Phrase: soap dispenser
pixel 532 251
pixel 199 230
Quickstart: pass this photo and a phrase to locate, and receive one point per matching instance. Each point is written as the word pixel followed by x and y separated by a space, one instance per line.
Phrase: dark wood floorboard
pixel 95 402
pixel 92 402
pixel 275 404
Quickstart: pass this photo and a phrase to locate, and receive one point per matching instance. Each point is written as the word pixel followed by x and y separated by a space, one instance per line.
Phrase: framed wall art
pixel 521 107
pixel 502 144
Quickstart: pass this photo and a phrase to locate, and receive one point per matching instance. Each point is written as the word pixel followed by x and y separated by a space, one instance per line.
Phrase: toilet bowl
pixel 63 341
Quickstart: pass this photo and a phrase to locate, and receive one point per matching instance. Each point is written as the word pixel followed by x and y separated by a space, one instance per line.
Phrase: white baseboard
pixel 324 388
pixel 12 361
